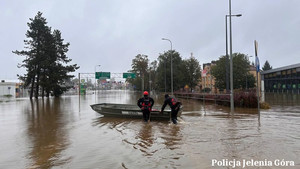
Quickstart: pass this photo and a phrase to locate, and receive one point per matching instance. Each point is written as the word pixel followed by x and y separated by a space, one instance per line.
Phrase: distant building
pixel 21 90
pixel 207 80
pixel 282 80
pixel 7 89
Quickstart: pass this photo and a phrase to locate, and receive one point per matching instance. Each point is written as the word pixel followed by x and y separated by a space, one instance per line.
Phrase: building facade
pixel 207 80
pixel 252 71
pixel 7 89
pixel 281 80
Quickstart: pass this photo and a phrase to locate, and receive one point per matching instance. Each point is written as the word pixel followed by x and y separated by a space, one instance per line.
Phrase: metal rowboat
pixel 130 111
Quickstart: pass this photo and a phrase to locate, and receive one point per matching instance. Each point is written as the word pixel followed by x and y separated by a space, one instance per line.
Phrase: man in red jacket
pixel 145 103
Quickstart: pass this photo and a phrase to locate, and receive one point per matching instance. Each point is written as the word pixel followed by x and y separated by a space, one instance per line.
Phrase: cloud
pixel 112 33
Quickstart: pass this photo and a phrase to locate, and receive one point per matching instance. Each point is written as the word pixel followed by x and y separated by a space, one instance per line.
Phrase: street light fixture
pixel 227 59
pixel 171 65
pixel 231 64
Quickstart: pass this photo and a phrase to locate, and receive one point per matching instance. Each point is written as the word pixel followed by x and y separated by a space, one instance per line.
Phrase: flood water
pixel 61 133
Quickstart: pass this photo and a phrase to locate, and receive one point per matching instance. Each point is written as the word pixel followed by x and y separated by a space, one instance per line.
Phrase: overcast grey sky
pixel 112 32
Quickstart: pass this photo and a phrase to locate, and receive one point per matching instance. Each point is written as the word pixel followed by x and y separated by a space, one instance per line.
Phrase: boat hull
pixel 129 111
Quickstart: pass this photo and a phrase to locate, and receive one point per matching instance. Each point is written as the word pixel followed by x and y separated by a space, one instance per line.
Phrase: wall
pixel 7 88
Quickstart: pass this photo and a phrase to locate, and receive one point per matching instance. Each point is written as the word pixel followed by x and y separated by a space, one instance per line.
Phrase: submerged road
pixel 61 133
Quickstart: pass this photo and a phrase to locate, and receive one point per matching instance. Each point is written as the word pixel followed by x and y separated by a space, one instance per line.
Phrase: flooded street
pixel 61 133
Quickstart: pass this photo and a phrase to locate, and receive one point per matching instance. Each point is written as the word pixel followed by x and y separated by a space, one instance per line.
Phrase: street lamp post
pixel 231 66
pixel 171 65
pixel 165 60
pixel 227 59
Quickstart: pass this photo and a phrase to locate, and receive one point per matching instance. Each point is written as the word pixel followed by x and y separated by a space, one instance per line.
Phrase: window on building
pixel 289 73
pixel 278 74
pixel 294 72
pixel 283 74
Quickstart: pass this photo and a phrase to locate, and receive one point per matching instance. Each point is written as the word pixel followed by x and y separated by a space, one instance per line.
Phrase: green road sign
pixel 105 75
pixel 129 75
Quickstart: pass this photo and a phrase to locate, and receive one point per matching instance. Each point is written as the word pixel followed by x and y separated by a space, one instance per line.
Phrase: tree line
pixel 46 62
pixel 156 75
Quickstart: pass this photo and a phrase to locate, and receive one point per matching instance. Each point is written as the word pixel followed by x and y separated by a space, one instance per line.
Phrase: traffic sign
pixel 105 75
pixel 129 75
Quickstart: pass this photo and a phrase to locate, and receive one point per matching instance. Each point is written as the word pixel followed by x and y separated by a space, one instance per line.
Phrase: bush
pixel 223 100
pixel 241 99
pixel 245 99
pixel 264 105
pixel 206 90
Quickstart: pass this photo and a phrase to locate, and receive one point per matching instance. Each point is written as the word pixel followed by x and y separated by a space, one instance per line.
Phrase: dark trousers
pixel 146 115
pixel 174 112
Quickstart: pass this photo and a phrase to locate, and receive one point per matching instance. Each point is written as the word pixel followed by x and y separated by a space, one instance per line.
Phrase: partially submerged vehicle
pixel 130 111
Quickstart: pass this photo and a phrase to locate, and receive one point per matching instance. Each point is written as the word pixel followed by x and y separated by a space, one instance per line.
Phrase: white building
pixel 7 88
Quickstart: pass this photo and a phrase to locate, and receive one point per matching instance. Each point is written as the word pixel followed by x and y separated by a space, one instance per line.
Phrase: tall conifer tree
pixel 46 60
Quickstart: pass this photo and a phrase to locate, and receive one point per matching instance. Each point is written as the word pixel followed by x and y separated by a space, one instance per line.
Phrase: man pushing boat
pixel 145 103
pixel 174 105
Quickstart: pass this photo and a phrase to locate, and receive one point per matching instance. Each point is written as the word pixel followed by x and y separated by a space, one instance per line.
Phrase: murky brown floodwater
pixel 54 133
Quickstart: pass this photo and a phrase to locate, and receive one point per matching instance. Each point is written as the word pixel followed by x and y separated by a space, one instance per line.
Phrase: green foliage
pixel 219 72
pixel 164 69
pixel 185 72
pixel 46 60
pixel 153 75
pixel 206 90
pixel 7 95
pixel 266 66
pixel 249 81
pixel 140 67
pixel 193 72
pixel 241 76
pixel 140 64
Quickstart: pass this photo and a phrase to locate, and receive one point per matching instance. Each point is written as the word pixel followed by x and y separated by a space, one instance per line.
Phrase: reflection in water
pixel 141 133
pixel 46 133
pixel 171 136
pixel 150 139
pixel 283 99
pixel 58 136
pixel 145 139
pixel 231 140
